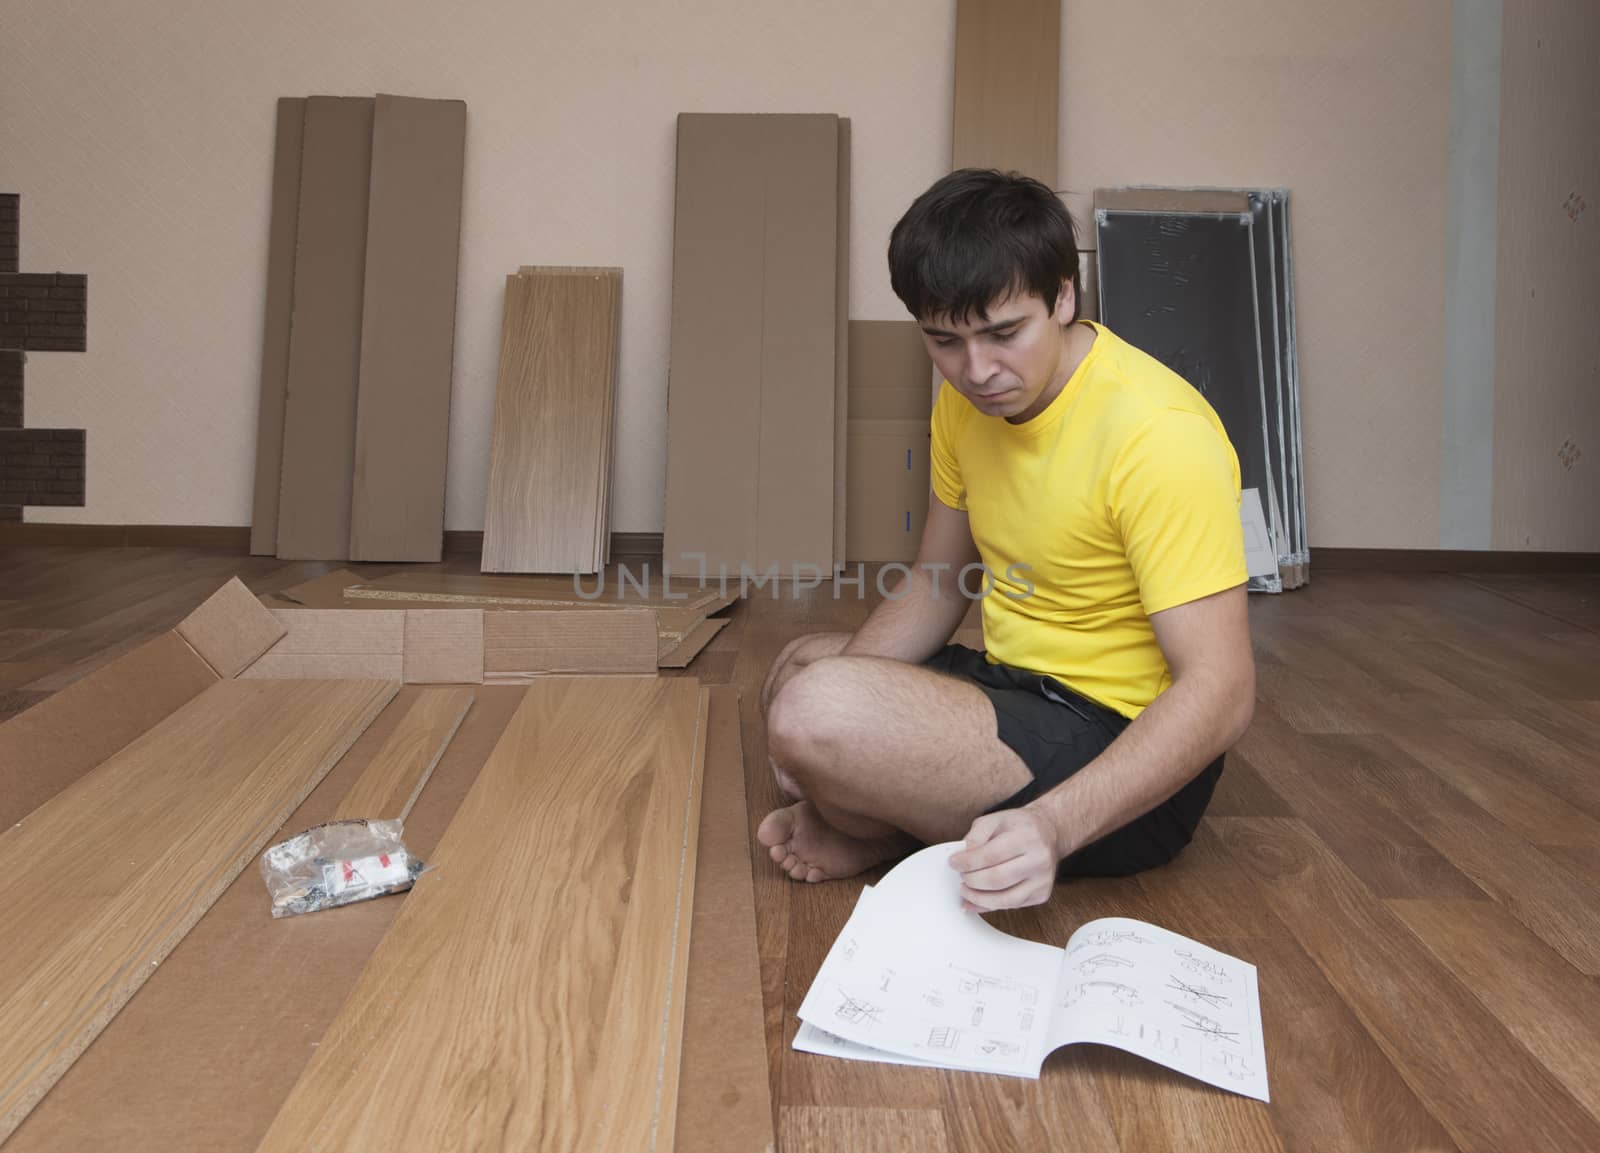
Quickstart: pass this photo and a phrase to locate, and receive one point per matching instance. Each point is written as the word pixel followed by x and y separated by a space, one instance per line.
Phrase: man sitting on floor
pixel 1101 495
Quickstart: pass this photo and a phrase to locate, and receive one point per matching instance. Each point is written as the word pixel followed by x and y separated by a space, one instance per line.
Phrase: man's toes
pixel 814 874
pixel 779 852
pixel 776 828
pixel 799 870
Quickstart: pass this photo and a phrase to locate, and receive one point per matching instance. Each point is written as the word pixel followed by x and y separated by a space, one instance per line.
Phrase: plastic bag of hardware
pixel 337 864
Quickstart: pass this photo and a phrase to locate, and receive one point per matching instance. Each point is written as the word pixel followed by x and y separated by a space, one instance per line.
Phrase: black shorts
pixel 1056 732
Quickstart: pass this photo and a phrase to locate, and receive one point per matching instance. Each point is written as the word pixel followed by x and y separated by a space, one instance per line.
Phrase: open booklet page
pixel 913 979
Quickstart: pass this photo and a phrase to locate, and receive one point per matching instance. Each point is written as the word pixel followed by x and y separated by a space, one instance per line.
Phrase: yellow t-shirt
pixel 1121 499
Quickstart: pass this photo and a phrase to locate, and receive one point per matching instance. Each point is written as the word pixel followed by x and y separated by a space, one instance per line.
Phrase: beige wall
pixel 140 137
pixel 1547 329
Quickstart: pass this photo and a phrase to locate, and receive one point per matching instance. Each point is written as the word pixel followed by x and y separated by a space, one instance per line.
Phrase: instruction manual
pixel 913 979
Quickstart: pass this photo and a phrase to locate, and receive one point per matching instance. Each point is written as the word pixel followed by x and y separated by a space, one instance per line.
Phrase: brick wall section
pixel 10 231
pixel 42 466
pixel 11 362
pixel 44 311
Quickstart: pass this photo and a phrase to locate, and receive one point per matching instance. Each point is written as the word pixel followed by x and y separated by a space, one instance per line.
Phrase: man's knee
pixel 797 655
pixel 803 718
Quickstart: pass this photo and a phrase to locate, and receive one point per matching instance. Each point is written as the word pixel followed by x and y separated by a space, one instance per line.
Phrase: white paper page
pixel 1164 997
pixel 810 1039
pixel 912 973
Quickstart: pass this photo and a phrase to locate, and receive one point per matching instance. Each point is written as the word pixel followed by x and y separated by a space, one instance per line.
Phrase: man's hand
pixel 1009 861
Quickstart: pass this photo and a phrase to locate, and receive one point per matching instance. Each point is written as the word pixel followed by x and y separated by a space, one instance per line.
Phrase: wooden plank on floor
pixel 275 344
pixel 319 421
pixel 724 1102
pixel 558 363
pixel 1422 1017
pixel 52 744
pixel 389 785
pixel 823 1129
pixel 104 879
pixel 554 930
pixel 408 322
pixel 1007 86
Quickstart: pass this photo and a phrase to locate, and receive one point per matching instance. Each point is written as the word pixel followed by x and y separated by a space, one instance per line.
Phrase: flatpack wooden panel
pixel 1007 86
pixel 388 786
pixel 53 743
pixel 319 423
pixel 104 879
pixel 275 342
pixel 408 326
pixel 841 350
pixel 561 641
pixel 551 439
pixel 529 995
pixel 724 1100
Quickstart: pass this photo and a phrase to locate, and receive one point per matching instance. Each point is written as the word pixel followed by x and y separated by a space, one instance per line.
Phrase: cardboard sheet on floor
pixel 319 424
pixel 408 319
pixel 275 343
pixel 888 445
pixel 753 378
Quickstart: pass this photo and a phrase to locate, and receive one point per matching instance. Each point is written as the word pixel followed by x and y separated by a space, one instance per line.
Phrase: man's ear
pixel 1066 302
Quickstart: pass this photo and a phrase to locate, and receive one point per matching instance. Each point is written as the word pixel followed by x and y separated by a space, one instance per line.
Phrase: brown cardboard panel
pixel 887 354
pixel 799 332
pixel 750 468
pixel 319 424
pixel 408 321
pixel 326 666
pixel 559 641
pixel 194 1062
pixel 443 646
pixel 642 588
pixel 47 747
pixel 317 631
pixel 275 343
pixel 231 629
pixel 324 592
pixel 724 1102
pixel 892 404
pixel 679 654
pixel 552 428
pixel 841 351
pixel 1226 200
pixel 1007 86
pixel 107 876
pixel 888 489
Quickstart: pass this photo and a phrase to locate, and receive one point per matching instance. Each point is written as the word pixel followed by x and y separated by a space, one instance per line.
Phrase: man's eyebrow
pixel 994 326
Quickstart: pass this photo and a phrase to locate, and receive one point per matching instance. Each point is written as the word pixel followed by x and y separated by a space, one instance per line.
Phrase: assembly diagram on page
pixel 912 979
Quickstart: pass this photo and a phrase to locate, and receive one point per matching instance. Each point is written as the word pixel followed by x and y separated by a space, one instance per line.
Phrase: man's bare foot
pixel 809 849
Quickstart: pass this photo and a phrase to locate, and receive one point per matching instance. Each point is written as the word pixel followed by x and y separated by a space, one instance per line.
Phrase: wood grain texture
pixel 389 785
pixel 820 1129
pixel 724 1104
pixel 319 422
pixel 1423 1019
pixel 110 873
pixel 559 641
pixel 443 646
pixel 230 629
pixel 1007 87
pixel 527 993
pixel 1542 1001
pixel 275 342
pixel 408 322
pixel 552 432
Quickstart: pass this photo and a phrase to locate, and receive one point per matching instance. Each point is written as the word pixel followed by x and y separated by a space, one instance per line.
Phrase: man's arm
pixel 919 618
pixel 1011 857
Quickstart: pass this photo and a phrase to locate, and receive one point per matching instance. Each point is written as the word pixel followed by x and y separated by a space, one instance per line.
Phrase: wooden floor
pixel 1406 844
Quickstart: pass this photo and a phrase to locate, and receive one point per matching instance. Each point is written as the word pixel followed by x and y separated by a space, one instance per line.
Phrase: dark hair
pixel 975 236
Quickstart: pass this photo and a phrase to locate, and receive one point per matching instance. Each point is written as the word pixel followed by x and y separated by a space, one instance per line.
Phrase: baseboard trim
pixel 236 538
pixel 1447 560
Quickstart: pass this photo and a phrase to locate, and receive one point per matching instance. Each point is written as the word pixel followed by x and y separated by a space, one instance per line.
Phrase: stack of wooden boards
pixel 549 501
pixel 429 628
pixel 1203 280
pixel 360 329
pixel 757 401
pixel 535 990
